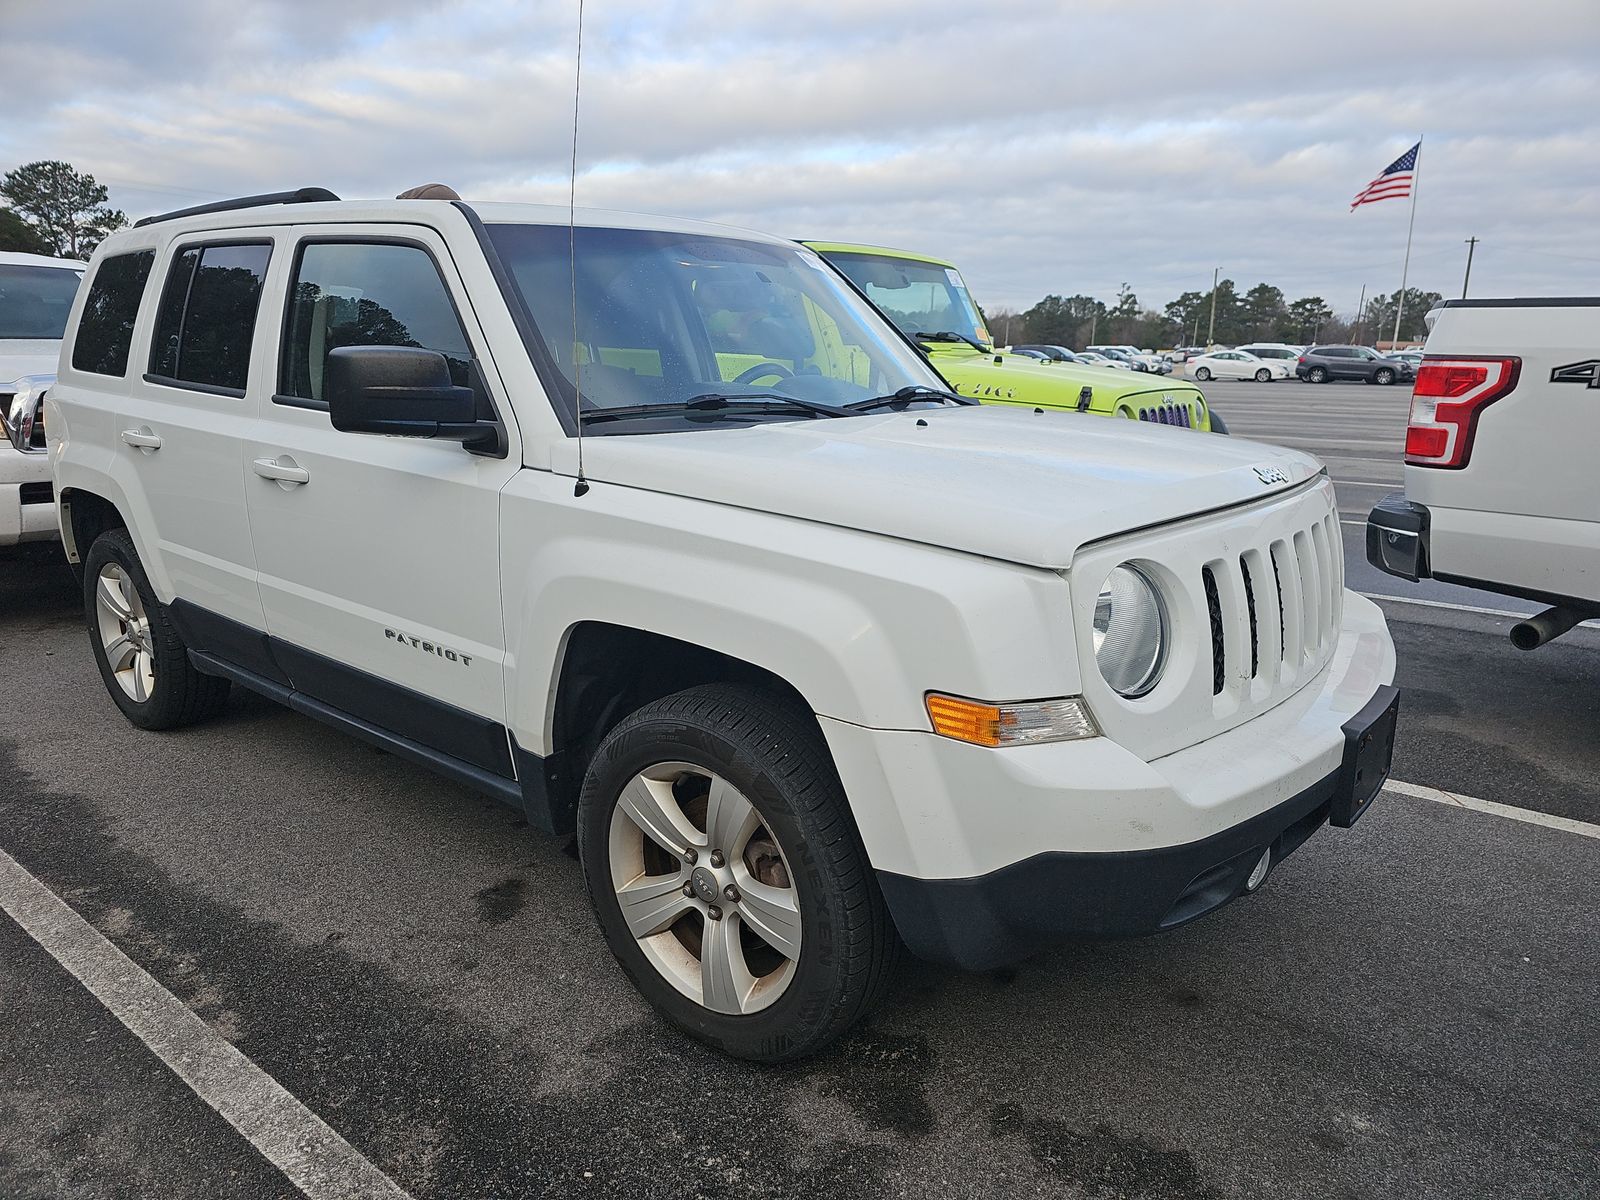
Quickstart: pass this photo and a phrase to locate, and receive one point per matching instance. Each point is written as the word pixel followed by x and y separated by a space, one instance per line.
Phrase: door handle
pixel 142 438
pixel 283 469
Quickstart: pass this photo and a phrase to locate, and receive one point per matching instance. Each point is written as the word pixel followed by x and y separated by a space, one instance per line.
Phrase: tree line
pixel 1262 314
pixel 51 208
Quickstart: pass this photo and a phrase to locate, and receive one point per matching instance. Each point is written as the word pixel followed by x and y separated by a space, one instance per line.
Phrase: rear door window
pixel 105 330
pixel 207 318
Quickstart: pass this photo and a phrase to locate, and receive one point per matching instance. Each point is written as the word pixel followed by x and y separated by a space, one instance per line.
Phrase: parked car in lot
pixel 1275 352
pixel 813 655
pixel 1049 353
pixel 1320 364
pixel 1412 358
pixel 35 297
pixel 1500 489
pixel 927 300
pixel 1100 360
pixel 1138 359
pixel 1237 364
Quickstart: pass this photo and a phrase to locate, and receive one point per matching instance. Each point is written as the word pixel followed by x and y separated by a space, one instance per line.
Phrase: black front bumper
pixel 1397 537
pixel 1002 917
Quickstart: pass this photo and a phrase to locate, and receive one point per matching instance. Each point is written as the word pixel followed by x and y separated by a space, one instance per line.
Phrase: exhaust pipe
pixel 1546 627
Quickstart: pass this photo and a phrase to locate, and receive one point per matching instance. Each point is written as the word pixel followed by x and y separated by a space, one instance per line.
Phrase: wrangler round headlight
pixel 1130 631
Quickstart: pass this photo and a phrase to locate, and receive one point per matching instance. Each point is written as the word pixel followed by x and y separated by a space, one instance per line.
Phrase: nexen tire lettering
pixel 405 639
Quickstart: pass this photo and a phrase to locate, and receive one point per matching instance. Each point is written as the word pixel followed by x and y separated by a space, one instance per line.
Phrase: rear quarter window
pixel 207 318
pixel 105 330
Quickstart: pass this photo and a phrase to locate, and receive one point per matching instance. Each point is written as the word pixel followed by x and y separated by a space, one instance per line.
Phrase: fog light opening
pixel 1258 873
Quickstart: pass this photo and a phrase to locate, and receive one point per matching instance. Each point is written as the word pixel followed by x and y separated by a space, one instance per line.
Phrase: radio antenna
pixel 582 484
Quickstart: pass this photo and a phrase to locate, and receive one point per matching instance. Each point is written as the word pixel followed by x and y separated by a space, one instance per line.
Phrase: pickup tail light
pixel 1446 399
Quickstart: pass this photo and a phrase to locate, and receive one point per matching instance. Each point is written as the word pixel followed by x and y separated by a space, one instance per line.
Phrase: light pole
pixel 1472 244
pixel 1211 329
pixel 1361 306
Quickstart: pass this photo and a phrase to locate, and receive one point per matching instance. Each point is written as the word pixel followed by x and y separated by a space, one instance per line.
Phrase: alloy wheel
pixel 125 632
pixel 705 888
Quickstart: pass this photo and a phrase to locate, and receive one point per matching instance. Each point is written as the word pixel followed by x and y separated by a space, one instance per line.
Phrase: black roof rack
pixel 303 196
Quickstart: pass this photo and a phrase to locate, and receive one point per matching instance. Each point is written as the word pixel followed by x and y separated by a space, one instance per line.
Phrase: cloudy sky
pixel 1045 147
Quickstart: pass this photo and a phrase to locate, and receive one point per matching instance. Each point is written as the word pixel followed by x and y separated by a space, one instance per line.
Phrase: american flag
pixel 1393 183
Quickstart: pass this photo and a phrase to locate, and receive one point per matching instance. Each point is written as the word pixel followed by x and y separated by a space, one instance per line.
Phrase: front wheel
pixel 1203 374
pixel 1263 376
pixel 142 660
pixel 727 874
pixel 1384 376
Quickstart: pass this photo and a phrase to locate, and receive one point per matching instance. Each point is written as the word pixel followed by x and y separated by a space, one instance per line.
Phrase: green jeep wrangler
pixel 928 301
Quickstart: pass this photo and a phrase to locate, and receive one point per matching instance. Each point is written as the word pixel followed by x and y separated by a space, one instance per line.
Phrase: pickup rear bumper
pixel 1403 537
pixel 1397 537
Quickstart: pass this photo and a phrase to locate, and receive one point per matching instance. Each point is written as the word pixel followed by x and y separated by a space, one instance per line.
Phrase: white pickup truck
pixel 816 657
pixel 35 297
pixel 1502 477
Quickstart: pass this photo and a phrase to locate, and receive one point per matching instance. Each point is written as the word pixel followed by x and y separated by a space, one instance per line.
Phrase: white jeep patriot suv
pixel 816 658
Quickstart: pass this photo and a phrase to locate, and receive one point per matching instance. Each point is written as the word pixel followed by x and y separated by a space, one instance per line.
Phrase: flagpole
pixel 1405 270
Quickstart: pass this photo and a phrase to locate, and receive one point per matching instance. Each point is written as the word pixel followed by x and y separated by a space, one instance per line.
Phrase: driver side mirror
pixel 402 391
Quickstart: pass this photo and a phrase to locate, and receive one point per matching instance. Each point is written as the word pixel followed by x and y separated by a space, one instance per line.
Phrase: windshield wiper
pixel 906 396
pixel 946 335
pixel 717 402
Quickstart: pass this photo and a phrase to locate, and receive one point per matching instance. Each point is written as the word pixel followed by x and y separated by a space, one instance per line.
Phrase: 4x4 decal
pixel 1586 372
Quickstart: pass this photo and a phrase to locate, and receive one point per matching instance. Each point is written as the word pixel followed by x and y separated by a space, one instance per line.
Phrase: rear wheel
pixel 728 877
pixel 1318 374
pixel 1263 376
pixel 142 660
pixel 1384 376
pixel 1203 374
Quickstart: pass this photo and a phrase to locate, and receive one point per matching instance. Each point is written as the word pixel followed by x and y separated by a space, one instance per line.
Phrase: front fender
pixel 860 625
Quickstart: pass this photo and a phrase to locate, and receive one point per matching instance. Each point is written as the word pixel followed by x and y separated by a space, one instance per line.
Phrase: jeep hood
pixel 27 356
pixel 1005 483
pixel 1057 383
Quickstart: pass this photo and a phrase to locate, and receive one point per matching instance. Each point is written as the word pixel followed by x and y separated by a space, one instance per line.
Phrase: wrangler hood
pixel 1010 484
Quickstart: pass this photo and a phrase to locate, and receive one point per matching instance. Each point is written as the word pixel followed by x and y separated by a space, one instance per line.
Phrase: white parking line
pixel 1468 608
pixel 314 1158
pixel 1525 815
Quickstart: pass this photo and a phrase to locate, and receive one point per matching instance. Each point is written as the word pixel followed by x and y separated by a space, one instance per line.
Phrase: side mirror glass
pixel 397 390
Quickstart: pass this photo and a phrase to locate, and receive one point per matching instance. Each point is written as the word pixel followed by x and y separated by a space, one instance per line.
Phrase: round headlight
pixel 1130 631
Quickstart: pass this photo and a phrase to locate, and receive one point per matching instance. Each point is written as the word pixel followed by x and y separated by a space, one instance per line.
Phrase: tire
pixel 1317 374
pixel 1384 376
pixel 142 660
pixel 1203 374
pixel 682 761
pixel 1263 376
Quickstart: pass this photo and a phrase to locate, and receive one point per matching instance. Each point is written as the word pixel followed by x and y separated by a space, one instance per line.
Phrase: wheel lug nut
pixel 716 858
pixel 732 893
pixel 714 913
pixel 690 855
pixel 688 890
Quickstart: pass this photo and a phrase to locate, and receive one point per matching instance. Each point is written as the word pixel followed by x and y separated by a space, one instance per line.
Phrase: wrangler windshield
pixel 922 298
pixel 665 319
pixel 34 301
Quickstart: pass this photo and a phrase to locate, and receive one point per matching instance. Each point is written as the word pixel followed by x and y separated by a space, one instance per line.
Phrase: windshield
pixel 664 319
pixel 921 298
pixel 34 301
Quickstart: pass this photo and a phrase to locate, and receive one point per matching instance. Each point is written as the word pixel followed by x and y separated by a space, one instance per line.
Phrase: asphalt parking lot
pixel 1407 1009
